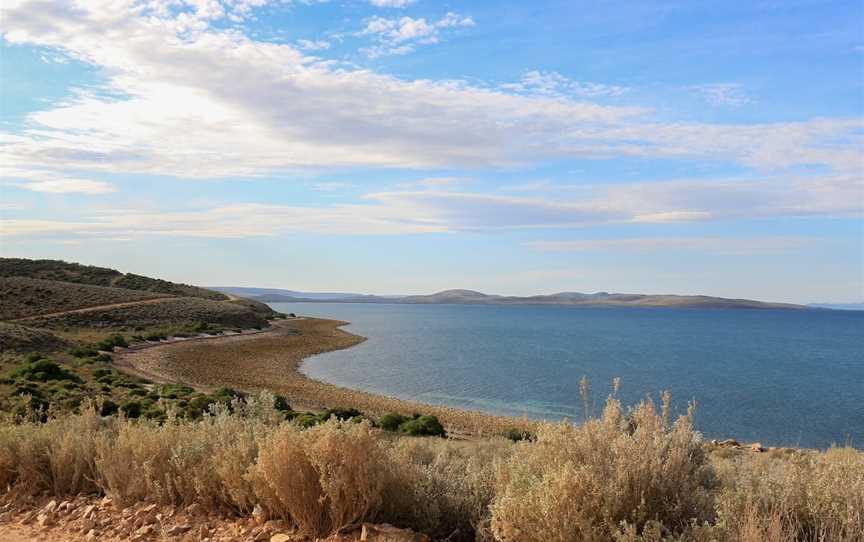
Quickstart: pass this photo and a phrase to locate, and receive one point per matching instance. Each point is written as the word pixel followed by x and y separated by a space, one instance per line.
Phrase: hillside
pixel 472 297
pixel 59 270
pixel 22 297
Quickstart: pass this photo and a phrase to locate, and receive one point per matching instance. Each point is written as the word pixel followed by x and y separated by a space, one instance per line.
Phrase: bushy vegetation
pixel 25 297
pixel 57 270
pixel 627 476
pixel 138 282
pixel 183 312
pixel 16 339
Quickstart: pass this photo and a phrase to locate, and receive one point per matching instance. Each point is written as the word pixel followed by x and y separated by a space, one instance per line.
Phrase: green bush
pixel 392 421
pixel 342 414
pixel 423 426
pixel 43 370
pixel 227 395
pixel 132 409
pixel 111 342
pixel 83 352
pixel 281 404
pixel 198 405
pixel 175 391
pixel 307 420
pixel 517 435
pixel 108 408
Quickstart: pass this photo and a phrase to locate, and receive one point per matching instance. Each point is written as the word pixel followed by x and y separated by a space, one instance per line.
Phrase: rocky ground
pixel 95 518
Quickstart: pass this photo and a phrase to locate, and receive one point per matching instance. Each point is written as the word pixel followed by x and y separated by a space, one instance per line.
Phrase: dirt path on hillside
pixel 269 360
pixel 160 299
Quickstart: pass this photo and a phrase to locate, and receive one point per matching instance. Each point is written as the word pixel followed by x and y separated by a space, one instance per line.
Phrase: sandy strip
pixel 269 361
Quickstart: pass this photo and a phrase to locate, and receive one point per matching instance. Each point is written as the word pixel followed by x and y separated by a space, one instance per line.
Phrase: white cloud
pixel 436 211
pixel 185 99
pixel 723 94
pixel 64 186
pixel 714 245
pixel 431 182
pixel 313 45
pixel 400 36
pixel 555 85
pixel 392 3
pixel 333 186
pixel 39 180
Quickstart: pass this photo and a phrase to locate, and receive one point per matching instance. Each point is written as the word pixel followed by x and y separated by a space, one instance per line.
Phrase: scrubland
pixel 630 474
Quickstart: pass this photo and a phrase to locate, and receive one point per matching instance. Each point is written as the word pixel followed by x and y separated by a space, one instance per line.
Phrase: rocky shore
pixel 270 360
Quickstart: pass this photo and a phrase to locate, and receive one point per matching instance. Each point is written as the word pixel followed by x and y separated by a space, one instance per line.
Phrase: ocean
pixel 779 377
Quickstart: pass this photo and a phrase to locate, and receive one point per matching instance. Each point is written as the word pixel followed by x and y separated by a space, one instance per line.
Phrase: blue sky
pixel 398 146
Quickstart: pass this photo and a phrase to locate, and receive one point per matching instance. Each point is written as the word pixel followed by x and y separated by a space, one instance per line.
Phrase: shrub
pixel 82 352
pixel 423 426
pixel 324 478
pixel 586 483
pixel 391 421
pixel 43 370
pixel 108 408
pixel 131 409
pixel 198 405
pixel 808 496
pixel 281 404
pixel 111 342
pixel 343 414
pixel 516 435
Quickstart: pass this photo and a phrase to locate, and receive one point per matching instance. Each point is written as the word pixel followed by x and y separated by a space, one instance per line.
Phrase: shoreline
pixel 270 360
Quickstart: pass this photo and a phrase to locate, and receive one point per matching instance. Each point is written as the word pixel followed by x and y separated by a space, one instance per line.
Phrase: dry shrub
pixel 583 483
pixel 807 496
pixel 183 462
pixel 442 488
pixel 55 457
pixel 323 478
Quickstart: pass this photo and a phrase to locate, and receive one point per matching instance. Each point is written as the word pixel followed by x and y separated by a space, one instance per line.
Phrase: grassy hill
pixel 22 297
pixel 58 270
pixel 59 322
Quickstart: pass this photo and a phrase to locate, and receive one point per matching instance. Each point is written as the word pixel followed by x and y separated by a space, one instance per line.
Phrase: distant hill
pixel 838 306
pixel 472 297
pixel 276 294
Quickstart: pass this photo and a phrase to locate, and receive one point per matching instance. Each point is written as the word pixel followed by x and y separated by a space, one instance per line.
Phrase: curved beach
pixel 269 360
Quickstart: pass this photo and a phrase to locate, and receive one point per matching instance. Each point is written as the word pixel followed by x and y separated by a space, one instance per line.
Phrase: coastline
pixel 270 359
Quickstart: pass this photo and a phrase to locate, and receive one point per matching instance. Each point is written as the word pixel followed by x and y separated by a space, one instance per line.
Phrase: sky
pixel 410 146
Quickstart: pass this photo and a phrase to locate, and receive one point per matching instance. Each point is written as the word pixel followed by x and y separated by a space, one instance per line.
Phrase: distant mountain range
pixel 471 297
pixel 838 306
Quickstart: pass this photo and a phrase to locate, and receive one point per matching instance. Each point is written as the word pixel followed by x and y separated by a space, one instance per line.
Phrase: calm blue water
pixel 777 377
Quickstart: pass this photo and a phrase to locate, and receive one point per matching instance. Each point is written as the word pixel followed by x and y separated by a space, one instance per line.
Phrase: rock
pixel 389 533
pixel 729 442
pixel 106 502
pixel 178 529
pixel 44 520
pixel 64 506
pixel 757 447
pixel 50 508
pixel 280 537
pixel 193 509
pixel 92 534
pixel 87 524
pixel 89 511
pixel 259 515
pixel 145 530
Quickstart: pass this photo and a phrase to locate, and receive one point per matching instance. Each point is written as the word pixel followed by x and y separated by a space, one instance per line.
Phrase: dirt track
pixel 161 299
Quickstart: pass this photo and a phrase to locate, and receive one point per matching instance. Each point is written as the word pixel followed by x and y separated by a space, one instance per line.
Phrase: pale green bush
pixel 583 483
